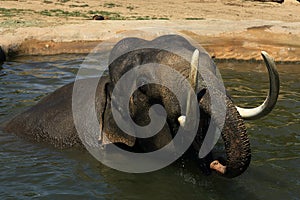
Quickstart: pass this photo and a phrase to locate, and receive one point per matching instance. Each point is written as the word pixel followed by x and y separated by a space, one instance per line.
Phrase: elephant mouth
pixel 218 167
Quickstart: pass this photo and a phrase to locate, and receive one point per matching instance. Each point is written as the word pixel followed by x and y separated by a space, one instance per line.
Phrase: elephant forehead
pixel 166 42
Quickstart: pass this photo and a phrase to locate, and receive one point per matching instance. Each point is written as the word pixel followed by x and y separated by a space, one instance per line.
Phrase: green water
pixel 30 170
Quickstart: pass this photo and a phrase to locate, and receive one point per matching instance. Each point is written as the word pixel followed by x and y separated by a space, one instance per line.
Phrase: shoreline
pixel 223 39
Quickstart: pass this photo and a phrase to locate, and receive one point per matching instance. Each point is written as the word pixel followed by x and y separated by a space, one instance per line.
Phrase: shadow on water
pixel 29 170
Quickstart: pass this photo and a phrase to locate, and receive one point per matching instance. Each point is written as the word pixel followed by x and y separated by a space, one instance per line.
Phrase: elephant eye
pixel 142 82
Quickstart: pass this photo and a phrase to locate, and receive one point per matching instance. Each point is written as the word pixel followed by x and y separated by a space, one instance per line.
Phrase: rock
pixel 98 17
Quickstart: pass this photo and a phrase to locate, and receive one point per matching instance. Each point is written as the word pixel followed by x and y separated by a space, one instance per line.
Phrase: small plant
pixel 92 12
pixel 74 14
pixel 143 18
pixel 195 18
pixel 111 5
pixel 80 6
pixel 130 8
pixel 63 1
pixel 4 12
pixel 47 2
pixel 109 15
pixel 46 13
pixel 163 18
pixel 62 13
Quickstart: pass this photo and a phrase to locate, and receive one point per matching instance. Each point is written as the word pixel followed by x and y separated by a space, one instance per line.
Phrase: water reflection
pixel 30 170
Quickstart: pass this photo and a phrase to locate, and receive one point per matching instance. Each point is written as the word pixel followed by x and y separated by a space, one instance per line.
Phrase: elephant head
pixel 178 54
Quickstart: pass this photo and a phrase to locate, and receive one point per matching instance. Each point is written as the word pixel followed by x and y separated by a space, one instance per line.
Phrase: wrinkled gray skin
pixel 234 134
pixel 51 120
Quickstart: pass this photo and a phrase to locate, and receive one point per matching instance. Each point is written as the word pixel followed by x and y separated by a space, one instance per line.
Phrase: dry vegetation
pixel 33 26
pixel 53 12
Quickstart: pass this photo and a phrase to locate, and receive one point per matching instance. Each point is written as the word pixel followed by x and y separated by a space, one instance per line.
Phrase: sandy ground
pixel 237 29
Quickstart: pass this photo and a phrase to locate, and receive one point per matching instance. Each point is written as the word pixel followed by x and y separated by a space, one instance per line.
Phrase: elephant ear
pixel 110 132
pixel 104 130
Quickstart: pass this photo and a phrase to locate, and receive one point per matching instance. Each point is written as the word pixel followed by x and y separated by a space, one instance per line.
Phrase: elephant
pixel 51 120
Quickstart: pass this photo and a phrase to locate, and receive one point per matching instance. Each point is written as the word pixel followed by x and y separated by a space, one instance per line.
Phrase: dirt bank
pixel 227 29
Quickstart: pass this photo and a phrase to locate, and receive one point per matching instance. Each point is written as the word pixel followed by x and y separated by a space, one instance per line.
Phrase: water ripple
pixel 30 170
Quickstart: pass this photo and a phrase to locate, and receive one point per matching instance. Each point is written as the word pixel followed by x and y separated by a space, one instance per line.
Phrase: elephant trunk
pixel 234 135
pixel 236 141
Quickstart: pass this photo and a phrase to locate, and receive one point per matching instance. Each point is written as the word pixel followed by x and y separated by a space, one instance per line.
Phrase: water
pixel 30 170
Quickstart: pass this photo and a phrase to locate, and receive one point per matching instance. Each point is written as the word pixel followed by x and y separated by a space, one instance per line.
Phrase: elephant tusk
pixel 217 166
pixel 182 120
pixel 271 99
pixel 193 78
pixel 194 70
